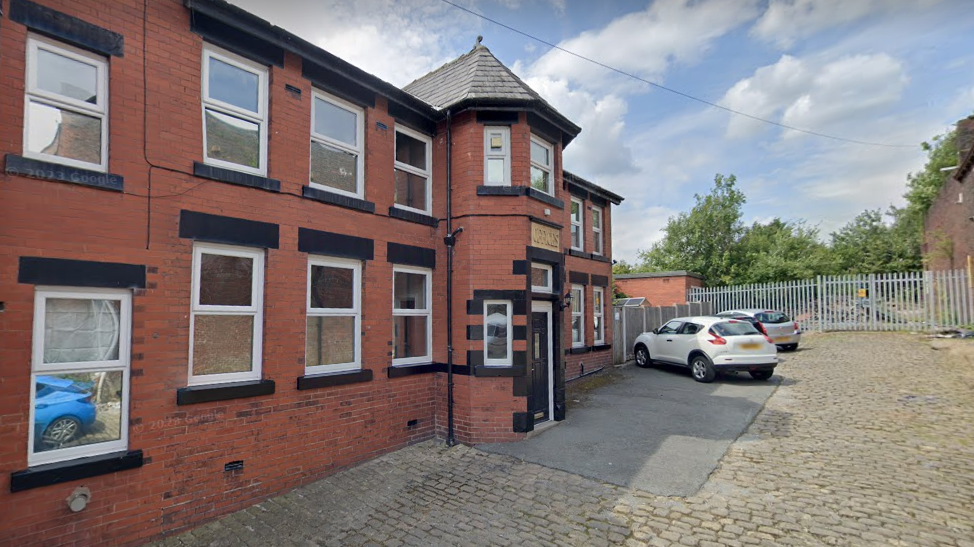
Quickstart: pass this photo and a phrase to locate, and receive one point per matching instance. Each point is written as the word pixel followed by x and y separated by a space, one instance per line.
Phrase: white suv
pixel 708 345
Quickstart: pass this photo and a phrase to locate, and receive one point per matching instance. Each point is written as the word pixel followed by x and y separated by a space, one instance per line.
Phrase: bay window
pixel 597 244
pixel 541 165
pixel 497 156
pixel 598 313
pixel 497 333
pixel 578 236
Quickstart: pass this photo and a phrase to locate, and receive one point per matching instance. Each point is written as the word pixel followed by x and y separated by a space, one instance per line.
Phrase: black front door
pixel 538 402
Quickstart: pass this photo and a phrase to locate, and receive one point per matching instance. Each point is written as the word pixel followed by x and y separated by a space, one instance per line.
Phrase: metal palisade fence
pixel 914 301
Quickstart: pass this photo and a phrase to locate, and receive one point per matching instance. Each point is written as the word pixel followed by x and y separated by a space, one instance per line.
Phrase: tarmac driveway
pixel 655 429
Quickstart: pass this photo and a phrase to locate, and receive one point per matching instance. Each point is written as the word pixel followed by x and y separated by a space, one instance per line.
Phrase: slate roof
pixel 477 76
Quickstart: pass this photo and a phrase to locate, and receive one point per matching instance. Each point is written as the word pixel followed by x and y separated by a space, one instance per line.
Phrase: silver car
pixel 777 325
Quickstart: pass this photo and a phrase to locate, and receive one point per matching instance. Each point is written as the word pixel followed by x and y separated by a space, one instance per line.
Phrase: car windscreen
pixel 772 317
pixel 734 328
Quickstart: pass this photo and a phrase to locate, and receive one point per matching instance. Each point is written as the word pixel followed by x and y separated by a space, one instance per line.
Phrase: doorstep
pixel 541 428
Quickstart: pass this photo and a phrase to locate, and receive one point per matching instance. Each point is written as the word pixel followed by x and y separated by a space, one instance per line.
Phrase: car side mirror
pixel 655 331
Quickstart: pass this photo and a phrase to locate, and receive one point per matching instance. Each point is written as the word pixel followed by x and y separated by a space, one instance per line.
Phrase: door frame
pixel 546 308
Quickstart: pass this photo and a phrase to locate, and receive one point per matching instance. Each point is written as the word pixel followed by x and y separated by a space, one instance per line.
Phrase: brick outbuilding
pixel 232 263
pixel 949 223
pixel 659 288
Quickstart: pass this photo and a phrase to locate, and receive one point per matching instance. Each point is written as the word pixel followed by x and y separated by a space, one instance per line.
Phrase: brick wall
pixel 659 291
pixel 948 228
pixel 290 437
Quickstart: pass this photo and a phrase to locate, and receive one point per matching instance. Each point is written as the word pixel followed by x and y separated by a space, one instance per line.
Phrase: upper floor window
pixel 413 168
pixel 412 316
pixel 333 343
pixel 541 165
pixel 79 373
pixel 66 105
pixel 497 156
pixel 497 333
pixel 337 135
pixel 597 243
pixel 226 319
pixel 234 112
pixel 578 236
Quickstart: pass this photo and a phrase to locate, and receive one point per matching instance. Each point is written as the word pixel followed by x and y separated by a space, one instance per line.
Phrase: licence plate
pixel 779 340
pixel 750 346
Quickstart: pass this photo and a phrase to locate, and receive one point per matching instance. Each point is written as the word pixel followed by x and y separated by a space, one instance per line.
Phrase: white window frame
pixel 598 244
pixel 260 118
pixel 359 150
pixel 509 359
pixel 551 280
pixel 428 172
pixel 550 169
pixel 122 364
pixel 428 313
pixel 41 96
pixel 256 309
pixel 504 154
pixel 580 223
pixel 598 312
pixel 355 311
pixel 580 314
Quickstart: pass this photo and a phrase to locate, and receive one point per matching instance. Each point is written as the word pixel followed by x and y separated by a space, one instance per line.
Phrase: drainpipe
pixel 449 240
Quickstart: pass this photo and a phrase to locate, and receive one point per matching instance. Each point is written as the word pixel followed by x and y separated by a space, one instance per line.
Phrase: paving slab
pixel 653 429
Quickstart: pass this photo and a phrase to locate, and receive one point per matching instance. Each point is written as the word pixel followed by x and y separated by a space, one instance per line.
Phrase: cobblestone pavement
pixel 868 441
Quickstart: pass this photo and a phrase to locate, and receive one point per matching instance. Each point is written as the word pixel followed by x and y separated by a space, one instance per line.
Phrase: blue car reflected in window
pixel 62 411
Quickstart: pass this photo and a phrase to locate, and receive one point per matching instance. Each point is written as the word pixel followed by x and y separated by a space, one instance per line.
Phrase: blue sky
pixel 887 71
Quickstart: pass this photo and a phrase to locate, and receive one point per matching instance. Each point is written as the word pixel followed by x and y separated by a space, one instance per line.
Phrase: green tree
pixel 705 239
pixel 869 244
pixel 780 251
pixel 922 187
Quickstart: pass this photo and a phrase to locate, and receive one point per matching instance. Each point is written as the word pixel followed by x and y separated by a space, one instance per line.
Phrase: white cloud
pixel 398 40
pixel 786 21
pixel 814 94
pixel 646 42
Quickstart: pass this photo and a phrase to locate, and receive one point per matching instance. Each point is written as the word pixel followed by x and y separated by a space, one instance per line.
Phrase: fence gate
pixel 919 301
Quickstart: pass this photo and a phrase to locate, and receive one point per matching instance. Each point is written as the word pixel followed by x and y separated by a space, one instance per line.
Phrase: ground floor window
pixel 578 315
pixel 333 342
pixel 79 373
pixel 497 333
pixel 411 316
pixel 598 311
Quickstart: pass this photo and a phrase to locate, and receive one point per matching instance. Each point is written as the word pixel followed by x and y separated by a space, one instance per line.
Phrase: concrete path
pixel 655 429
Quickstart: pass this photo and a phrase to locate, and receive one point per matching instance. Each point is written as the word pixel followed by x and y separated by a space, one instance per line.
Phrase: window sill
pixel 418 218
pixel 235 177
pixel 579 253
pixel 72 470
pixel 332 379
pixel 578 350
pixel 223 392
pixel 401 371
pixel 601 347
pixel 45 170
pixel 520 191
pixel 331 198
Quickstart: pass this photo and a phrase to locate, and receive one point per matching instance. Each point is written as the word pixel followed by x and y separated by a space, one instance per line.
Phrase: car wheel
pixel 61 431
pixel 642 357
pixel 789 347
pixel 702 369
pixel 761 374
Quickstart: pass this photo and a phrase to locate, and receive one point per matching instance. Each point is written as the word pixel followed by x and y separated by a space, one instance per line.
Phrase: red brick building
pixel 659 288
pixel 949 223
pixel 197 313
